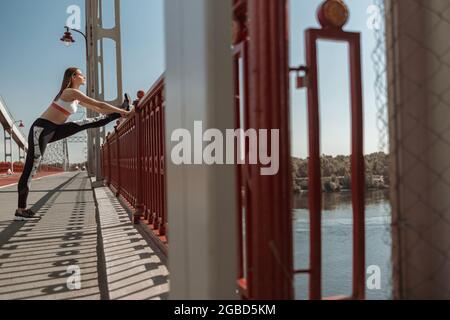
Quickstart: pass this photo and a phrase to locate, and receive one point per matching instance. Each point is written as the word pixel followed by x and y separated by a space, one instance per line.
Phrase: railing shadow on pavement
pixel 36 257
pixel 12 229
pixel 136 268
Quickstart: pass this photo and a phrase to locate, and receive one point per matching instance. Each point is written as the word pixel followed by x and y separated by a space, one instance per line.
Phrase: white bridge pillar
pixel 96 33
pixel 200 198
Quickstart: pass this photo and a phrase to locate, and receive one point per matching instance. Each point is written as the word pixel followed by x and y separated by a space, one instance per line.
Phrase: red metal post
pixel 108 143
pixel 358 170
pixel 240 49
pixel 271 276
pixel 162 160
pixel 152 167
pixel 139 212
pixel 146 165
pixel 239 179
pixel 118 160
pixel 314 174
pixel 156 168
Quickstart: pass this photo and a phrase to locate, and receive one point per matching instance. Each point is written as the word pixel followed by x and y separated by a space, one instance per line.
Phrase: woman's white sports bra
pixel 66 107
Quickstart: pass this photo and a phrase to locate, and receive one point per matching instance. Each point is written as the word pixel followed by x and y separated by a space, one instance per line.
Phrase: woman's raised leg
pixel 70 128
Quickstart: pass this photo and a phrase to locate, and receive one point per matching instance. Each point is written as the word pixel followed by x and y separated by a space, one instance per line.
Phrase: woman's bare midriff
pixel 54 115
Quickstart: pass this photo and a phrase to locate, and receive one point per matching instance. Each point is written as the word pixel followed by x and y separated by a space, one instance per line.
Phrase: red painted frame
pixel 357 161
pixel 135 162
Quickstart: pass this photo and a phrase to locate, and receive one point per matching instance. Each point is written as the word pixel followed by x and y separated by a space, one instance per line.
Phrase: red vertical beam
pixel 239 185
pixel 240 181
pixel 123 160
pixel 118 160
pixel 126 153
pixel 245 172
pixel 144 161
pixel 108 143
pixel 314 173
pixel 134 168
pixel 157 168
pixel 139 164
pixel 102 164
pixel 148 160
pixel 163 226
pixel 152 165
pixel 271 214
pixel 240 43
pixel 358 171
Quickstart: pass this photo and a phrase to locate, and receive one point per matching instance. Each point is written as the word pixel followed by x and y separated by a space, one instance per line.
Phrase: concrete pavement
pixel 67 254
pixel 135 268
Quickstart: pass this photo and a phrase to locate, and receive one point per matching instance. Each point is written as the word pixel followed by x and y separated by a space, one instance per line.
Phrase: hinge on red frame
pixel 302 81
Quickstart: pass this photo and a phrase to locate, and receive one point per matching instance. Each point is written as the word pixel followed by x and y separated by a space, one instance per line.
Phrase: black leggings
pixel 43 132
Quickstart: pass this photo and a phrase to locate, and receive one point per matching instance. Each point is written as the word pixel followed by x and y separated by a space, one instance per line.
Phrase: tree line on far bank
pixel 336 172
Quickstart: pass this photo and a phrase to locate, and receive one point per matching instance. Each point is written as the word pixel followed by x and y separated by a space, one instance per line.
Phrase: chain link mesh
pixel 55 154
pixel 419 221
pixel 379 60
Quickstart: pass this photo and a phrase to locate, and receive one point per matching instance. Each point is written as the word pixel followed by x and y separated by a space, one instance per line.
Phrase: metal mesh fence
pixel 379 60
pixel 418 87
pixel 56 154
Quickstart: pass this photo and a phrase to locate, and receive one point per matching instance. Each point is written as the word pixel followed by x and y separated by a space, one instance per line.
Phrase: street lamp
pixel 68 40
pixel 10 131
pixel 20 123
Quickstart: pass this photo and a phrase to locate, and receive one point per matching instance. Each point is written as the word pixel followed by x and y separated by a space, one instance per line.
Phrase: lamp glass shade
pixel 67 39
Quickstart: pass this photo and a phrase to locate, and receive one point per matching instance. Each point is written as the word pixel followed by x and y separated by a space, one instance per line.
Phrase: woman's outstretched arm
pixel 97 106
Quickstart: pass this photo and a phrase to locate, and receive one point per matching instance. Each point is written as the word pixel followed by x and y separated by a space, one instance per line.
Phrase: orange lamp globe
pixel 140 94
pixel 333 14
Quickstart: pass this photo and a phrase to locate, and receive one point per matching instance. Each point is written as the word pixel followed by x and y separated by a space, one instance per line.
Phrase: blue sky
pixel 333 81
pixel 32 60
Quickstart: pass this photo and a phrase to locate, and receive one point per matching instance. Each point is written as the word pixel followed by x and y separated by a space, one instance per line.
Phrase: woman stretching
pixel 52 126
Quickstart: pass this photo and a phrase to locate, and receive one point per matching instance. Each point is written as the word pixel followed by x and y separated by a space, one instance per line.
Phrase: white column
pixel 96 89
pixel 419 111
pixel 200 198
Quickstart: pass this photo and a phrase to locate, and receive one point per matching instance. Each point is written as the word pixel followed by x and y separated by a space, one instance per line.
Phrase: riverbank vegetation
pixel 336 172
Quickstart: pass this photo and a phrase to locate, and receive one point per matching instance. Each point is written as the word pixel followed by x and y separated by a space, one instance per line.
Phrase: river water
pixel 337 243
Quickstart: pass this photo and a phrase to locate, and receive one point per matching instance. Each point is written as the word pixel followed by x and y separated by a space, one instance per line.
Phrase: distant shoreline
pixel 341 191
pixel 336 172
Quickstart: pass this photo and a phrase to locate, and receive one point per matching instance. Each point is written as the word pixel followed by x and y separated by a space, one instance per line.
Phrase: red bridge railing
pixel 261 74
pixel 17 167
pixel 133 161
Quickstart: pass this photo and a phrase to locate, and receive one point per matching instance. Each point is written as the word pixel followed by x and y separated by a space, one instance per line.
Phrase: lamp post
pixel 21 126
pixel 95 36
pixel 68 40
pixel 20 122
